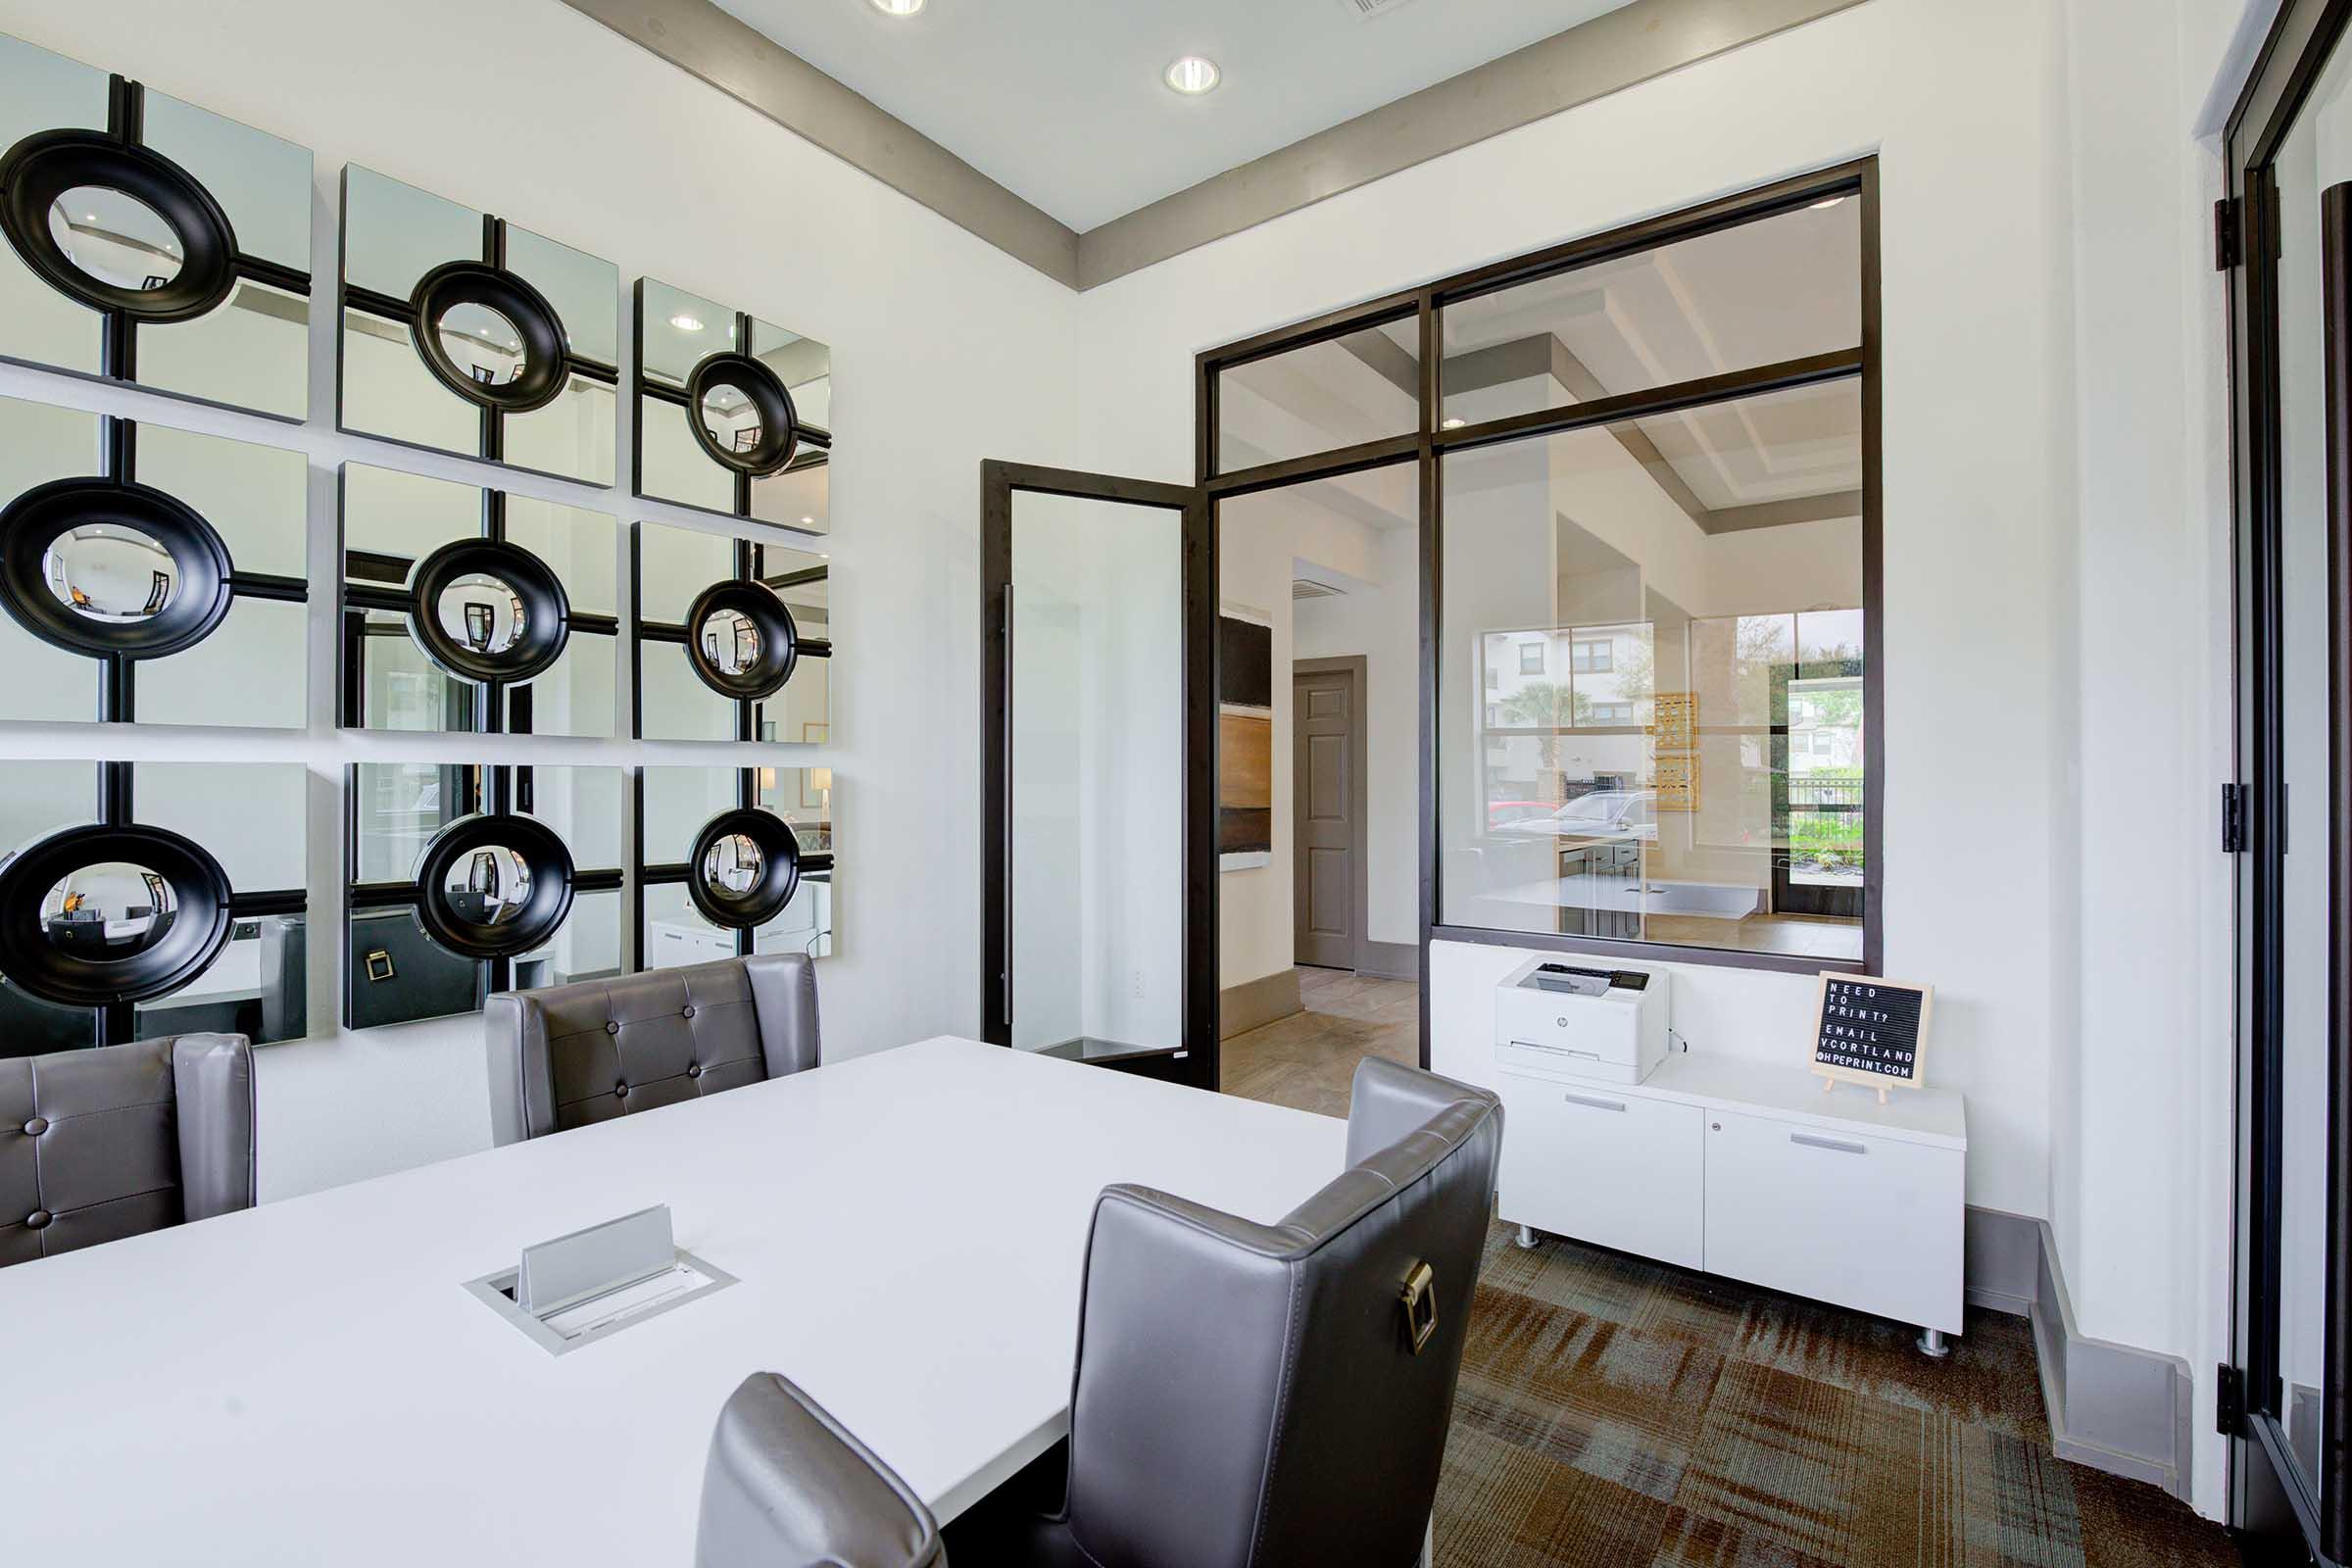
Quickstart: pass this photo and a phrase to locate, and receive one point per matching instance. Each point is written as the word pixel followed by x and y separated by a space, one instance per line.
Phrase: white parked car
pixel 1602 814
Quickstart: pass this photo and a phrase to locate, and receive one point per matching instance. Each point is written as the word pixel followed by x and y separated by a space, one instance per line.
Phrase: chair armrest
pixel 212 1083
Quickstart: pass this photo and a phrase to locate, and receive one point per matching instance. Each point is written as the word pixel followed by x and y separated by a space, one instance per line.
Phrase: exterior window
pixel 1531 659
pixel 1589 659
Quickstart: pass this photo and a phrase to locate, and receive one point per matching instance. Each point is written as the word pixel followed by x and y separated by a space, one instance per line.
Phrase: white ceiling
pixel 1061 101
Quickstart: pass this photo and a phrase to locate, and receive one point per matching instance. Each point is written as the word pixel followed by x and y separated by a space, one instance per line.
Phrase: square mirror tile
pixel 151 898
pixel 734 639
pixel 149 240
pixel 466 880
pixel 734 414
pixel 733 860
pixel 148 573
pixel 465 333
pixel 470 610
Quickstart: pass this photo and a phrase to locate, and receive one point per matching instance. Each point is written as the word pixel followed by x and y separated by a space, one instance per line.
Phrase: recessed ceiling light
pixel 808 521
pixel 686 324
pixel 1833 201
pixel 1192 75
pixel 898 8
pixel 1453 424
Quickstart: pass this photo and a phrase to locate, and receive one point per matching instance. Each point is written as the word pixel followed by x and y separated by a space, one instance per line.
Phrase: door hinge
pixel 2227 250
pixel 2230 1402
pixel 2234 819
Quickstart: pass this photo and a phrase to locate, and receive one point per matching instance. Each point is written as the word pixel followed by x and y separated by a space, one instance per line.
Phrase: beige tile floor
pixel 1307 1060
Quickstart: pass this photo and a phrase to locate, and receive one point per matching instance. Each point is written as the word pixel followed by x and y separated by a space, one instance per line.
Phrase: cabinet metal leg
pixel 1933 1345
pixel 1527 1236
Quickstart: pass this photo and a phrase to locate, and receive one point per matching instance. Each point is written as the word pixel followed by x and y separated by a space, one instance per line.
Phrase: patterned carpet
pixel 1623 1414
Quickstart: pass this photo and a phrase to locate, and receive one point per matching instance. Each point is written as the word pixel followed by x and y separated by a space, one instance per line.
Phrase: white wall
pixel 2048 456
pixel 946 352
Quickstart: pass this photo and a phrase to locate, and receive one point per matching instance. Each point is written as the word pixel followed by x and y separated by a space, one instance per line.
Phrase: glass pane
pixel 387 391
pixel 394 233
pixel 1098 774
pixel 253 351
pixel 398 974
pixel 672 467
pixel 1640 622
pixel 41 91
pixel 572 436
pixel 262 182
pixel 256 497
pixel 801 495
pixel 2312 158
pixel 678 801
pixel 679 330
pixel 676 705
pixel 252 670
pixel 257 987
pixel 249 816
pixel 584 289
pixel 1776 289
pixel 805 924
pixel 677 934
pixel 400 807
pixel 586 947
pixel 804 366
pixel 584 805
pixel 579 544
pixel 1361 387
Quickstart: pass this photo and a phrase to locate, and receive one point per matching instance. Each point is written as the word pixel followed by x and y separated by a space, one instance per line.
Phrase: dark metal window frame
pixel 812 438
pixel 490 441
pixel 119 333
pixel 115 1022
pixel 816 864
pixel 1427 446
pixel 494 790
pixel 2270 1497
pixel 495 707
pixel 751 565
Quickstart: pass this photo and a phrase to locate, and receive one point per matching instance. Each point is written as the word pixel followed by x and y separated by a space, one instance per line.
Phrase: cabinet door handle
pixel 1811 1142
pixel 1595 1103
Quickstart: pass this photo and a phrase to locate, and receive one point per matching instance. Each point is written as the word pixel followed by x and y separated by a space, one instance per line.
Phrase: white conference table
pixel 309 1382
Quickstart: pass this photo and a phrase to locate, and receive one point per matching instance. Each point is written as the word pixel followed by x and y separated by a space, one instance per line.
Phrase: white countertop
pixel 309 1382
pixel 1788 1092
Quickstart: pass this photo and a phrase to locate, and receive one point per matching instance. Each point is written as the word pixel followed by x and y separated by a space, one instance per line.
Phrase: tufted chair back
pixel 99 1144
pixel 569 1056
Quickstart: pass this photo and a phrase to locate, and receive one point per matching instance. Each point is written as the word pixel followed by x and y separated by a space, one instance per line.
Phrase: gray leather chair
pixel 786 1487
pixel 569 1056
pixel 98 1145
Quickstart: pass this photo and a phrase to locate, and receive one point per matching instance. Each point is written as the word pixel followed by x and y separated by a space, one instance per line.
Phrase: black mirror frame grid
pixel 40 167
pixel 784 865
pixel 497 802
pixel 750 593
pixel 210 583
pixel 206 910
pixel 548 363
pixel 498 683
pixel 784 436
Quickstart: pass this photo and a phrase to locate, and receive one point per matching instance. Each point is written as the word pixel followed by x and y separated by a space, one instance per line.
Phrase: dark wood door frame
pixel 1196 1061
pixel 1356 668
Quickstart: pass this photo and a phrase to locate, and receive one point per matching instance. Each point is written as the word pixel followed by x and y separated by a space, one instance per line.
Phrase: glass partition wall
pixel 1643 467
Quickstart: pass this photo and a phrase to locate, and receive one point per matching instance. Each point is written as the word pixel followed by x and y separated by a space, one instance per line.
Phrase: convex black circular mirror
pixel 493 886
pixel 484 609
pixel 489 336
pixel 116 227
pixel 740 638
pixel 744 868
pixel 99 566
pixel 741 414
pixel 91 915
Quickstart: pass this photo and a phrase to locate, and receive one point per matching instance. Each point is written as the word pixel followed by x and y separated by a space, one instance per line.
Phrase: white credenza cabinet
pixel 1749 1171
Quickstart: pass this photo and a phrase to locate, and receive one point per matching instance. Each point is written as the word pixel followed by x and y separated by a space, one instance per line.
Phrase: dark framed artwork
pixel 462 333
pixel 731 861
pixel 466 880
pixel 733 413
pixel 150 241
pixel 467 608
pixel 148 573
pixel 734 637
pixel 149 899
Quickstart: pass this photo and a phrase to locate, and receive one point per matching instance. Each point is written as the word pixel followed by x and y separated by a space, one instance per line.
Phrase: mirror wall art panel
pixel 147 899
pixel 465 333
pixel 734 414
pixel 150 241
pixel 733 860
pixel 470 610
pixel 466 880
pixel 734 639
pixel 148 573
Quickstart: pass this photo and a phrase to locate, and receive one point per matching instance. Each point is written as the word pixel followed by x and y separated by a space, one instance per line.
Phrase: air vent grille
pixel 1366 9
pixel 1308 587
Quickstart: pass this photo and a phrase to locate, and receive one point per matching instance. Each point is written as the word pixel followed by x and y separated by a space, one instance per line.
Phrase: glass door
pixel 1098 928
pixel 2292 305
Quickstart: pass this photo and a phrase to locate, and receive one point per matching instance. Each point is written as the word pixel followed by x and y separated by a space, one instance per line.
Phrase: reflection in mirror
pixel 675 805
pixel 732 419
pixel 676 332
pixel 113 561
pixel 110 572
pixel 730 641
pixel 674 567
pixel 115 237
pixel 482 342
pixel 109 910
pixel 732 865
pixel 490 886
pixel 394 235
pixel 249 352
pixel 482 612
